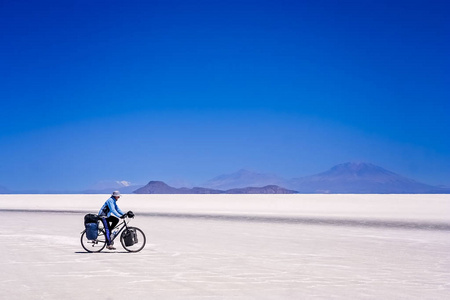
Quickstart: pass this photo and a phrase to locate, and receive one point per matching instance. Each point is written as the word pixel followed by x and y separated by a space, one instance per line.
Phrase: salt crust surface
pixel 198 257
pixel 434 208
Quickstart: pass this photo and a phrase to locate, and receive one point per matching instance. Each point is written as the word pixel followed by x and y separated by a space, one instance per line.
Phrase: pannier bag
pixel 91 231
pixel 134 234
pixel 130 237
pixel 91 225
pixel 90 218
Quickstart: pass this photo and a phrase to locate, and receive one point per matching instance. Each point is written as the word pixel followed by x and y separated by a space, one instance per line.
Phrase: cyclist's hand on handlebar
pixel 123 216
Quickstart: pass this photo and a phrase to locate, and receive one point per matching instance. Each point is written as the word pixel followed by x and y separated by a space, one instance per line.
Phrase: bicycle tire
pixel 93 245
pixel 139 245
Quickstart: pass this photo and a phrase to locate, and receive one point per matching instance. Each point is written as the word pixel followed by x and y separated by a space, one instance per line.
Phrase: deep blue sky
pixel 187 90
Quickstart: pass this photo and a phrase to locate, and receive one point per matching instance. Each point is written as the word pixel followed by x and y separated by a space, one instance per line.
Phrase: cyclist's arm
pixel 114 209
pixel 118 210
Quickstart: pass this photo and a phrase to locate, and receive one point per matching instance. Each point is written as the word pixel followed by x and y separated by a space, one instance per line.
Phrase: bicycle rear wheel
pixel 96 245
pixel 135 244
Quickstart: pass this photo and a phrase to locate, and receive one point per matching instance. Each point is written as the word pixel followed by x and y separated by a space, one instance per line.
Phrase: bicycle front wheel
pixel 133 239
pixel 96 245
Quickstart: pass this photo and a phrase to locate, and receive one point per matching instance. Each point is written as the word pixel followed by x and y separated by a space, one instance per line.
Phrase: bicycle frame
pixel 124 225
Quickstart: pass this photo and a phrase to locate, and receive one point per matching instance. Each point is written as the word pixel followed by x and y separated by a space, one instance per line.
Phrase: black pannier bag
pixel 130 237
pixel 91 225
pixel 90 218
pixel 134 236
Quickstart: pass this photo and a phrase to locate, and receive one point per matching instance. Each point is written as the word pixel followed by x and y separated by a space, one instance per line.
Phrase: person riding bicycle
pixel 109 214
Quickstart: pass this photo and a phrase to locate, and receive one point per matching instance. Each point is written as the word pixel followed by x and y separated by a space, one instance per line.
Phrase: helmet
pixel 130 214
pixel 116 194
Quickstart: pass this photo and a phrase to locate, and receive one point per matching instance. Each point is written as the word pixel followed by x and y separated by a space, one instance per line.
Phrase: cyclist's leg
pixel 113 221
pixel 107 230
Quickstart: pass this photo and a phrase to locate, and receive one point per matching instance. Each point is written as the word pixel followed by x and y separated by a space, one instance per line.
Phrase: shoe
pixel 110 248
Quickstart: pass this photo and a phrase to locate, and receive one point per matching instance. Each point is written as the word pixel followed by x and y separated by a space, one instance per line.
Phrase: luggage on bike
pixel 130 237
pixel 90 218
pixel 91 231
pixel 91 225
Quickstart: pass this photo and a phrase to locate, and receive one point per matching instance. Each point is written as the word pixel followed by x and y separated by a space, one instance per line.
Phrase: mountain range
pixel 360 178
pixel 243 178
pixel 346 178
pixel 107 186
pixel 159 187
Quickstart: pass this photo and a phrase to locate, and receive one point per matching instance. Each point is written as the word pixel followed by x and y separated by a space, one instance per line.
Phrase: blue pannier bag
pixel 91 231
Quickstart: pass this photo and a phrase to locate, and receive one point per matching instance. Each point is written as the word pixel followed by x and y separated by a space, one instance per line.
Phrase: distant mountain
pixel 243 178
pixel 108 186
pixel 359 178
pixel 159 187
pixel 268 189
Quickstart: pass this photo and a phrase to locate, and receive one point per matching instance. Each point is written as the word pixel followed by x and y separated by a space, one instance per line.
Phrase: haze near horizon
pixel 188 90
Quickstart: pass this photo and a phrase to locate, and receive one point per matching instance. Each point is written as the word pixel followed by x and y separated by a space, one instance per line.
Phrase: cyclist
pixel 109 214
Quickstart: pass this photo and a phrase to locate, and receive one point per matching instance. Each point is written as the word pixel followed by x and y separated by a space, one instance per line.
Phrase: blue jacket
pixel 109 207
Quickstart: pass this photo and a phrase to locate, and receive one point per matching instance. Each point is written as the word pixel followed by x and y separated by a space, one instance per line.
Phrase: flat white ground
pixel 232 247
